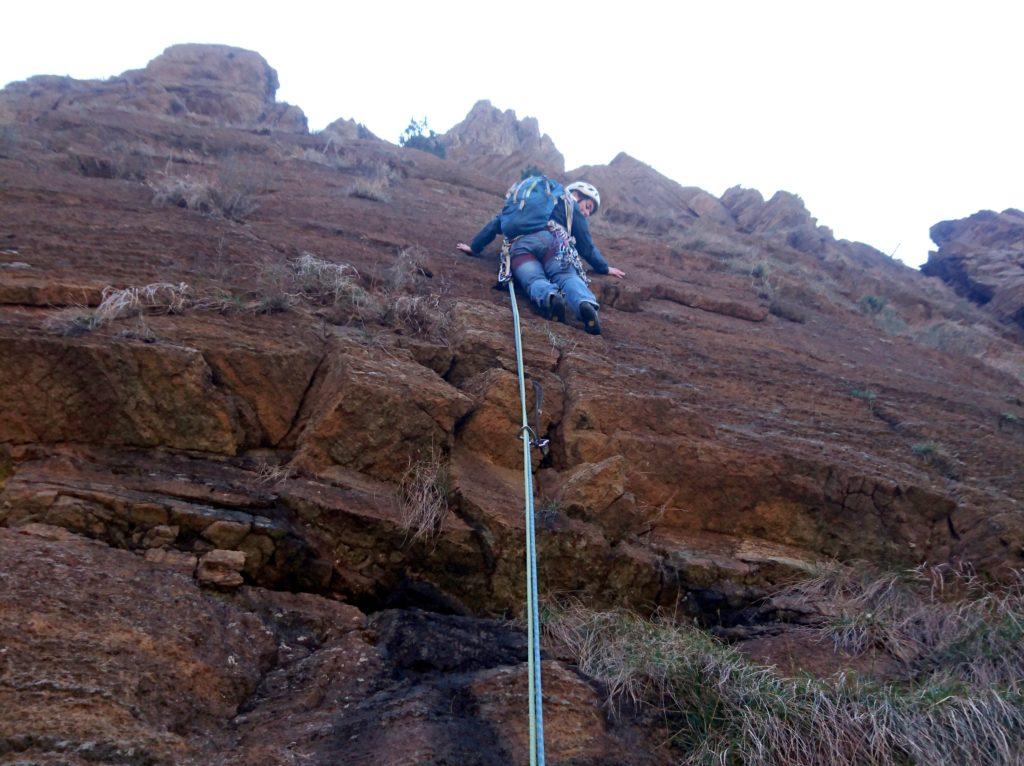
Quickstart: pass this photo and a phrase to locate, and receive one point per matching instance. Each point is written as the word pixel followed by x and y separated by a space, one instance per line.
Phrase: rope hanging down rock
pixel 532 616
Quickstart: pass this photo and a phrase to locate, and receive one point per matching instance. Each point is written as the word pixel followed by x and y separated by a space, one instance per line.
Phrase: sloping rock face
pixel 279 517
pixel 982 258
pixel 207 83
pixel 495 142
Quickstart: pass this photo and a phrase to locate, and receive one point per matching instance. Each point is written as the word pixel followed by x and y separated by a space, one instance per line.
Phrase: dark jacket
pixel 580 230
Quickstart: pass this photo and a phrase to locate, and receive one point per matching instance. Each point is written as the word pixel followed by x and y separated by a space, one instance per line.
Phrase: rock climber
pixel 546 263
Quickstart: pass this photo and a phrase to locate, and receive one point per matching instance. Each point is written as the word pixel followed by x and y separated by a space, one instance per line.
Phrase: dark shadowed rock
pixel 423 642
pixel 982 258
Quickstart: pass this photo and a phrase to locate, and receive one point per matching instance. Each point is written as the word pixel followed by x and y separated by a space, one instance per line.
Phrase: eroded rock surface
pixel 282 522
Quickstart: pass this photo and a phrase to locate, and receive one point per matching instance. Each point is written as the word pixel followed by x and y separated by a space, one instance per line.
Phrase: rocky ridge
pixel 239 462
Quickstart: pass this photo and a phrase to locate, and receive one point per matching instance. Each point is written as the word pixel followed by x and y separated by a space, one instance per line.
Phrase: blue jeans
pixel 542 274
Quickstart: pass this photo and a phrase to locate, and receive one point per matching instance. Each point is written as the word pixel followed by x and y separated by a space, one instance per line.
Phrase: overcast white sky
pixel 886 117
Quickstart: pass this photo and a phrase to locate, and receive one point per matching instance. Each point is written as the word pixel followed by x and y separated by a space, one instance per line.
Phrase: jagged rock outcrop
pixel 348 130
pixel 633 192
pixel 982 258
pixel 204 83
pixel 496 142
pixel 784 216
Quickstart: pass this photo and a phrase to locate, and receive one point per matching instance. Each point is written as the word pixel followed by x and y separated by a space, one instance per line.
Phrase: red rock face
pixel 982 258
pixel 255 463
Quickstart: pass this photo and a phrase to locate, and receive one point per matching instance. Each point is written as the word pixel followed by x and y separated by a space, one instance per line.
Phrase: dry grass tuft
pixel 321 280
pixel 270 475
pixel 374 189
pixel 423 495
pixel 416 315
pixel 962 701
pixel 125 302
pixel 336 285
pixel 224 196
pixel 157 298
pixel 925 618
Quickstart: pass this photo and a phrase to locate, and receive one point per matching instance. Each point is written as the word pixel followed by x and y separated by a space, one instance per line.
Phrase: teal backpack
pixel 528 205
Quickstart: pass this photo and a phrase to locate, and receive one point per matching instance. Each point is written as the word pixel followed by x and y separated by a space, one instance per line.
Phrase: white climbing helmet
pixel 587 190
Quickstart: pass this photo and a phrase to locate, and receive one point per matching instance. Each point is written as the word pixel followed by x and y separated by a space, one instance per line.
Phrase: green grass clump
pixel 959 701
pixel 872 304
pixel 866 394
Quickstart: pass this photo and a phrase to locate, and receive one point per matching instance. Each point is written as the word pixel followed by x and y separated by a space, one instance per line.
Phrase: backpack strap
pixel 568 212
pixel 529 190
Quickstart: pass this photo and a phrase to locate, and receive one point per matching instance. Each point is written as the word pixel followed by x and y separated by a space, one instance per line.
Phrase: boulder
pixel 221 569
pixel 589 488
pixel 376 414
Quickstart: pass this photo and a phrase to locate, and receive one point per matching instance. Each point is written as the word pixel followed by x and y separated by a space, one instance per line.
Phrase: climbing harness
pixel 530 439
pixel 565 247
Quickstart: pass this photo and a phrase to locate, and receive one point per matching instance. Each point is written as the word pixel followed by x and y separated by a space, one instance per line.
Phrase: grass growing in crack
pixel 119 303
pixel 270 475
pixel 561 346
pixel 423 495
pixel 961 702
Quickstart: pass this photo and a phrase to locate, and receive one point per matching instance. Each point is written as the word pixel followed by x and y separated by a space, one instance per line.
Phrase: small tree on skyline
pixel 418 135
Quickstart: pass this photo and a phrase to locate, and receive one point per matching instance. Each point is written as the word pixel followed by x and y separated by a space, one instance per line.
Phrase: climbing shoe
pixel 588 315
pixel 556 307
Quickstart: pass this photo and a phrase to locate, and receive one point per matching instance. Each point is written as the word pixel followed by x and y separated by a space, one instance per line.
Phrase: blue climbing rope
pixel 532 614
